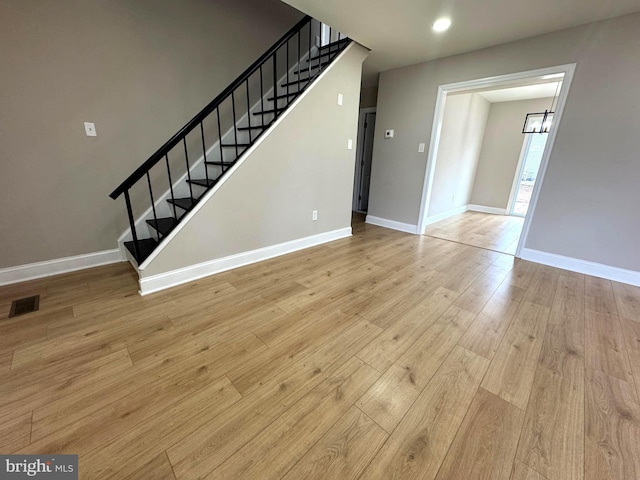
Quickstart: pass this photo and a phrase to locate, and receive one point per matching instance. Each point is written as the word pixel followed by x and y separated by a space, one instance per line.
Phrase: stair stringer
pixel 264 202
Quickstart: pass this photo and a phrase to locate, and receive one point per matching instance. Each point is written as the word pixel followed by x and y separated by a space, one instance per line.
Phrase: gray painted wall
pixel 463 129
pixel 139 70
pixel 501 149
pixel 588 204
pixel 301 166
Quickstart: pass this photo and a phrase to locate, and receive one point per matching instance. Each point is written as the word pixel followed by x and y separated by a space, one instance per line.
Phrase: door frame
pixel 516 178
pixel 357 182
pixel 496 81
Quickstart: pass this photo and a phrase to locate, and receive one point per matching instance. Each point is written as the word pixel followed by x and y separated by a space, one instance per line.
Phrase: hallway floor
pixel 384 355
pixel 500 233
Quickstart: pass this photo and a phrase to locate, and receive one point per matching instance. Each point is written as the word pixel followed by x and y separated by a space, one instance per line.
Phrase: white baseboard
pixel 162 281
pixel 582 266
pixel 483 209
pixel 32 271
pixel 444 215
pixel 383 222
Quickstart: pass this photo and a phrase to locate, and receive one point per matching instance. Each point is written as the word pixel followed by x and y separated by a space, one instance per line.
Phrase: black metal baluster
pixel 275 85
pixel 136 247
pixel 262 98
pixel 309 52
pixel 330 47
pixel 220 140
pixel 166 157
pixel 186 157
pixel 204 154
pixel 287 99
pixel 299 61
pixel 153 206
pixel 249 111
pixel 235 130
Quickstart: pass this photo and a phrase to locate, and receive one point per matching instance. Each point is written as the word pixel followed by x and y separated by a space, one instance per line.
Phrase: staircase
pixel 221 133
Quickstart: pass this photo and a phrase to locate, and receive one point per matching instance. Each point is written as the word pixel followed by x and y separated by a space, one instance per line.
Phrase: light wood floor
pixel 494 232
pixel 381 356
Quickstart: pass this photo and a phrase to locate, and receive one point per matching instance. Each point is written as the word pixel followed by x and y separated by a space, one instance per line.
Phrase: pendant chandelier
pixel 540 122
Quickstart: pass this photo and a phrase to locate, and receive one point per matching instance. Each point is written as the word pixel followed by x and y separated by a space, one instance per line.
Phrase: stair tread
pixel 203 182
pixel 312 67
pixel 254 127
pixel 295 82
pixel 270 110
pixel 342 41
pixel 220 164
pixel 163 225
pixel 184 203
pixel 145 245
pixel 286 95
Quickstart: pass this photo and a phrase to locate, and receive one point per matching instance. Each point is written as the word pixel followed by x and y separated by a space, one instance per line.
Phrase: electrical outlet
pixel 314 215
pixel 90 129
pixel 389 133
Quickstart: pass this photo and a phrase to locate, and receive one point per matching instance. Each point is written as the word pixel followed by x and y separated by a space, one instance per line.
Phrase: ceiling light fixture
pixel 442 24
pixel 540 122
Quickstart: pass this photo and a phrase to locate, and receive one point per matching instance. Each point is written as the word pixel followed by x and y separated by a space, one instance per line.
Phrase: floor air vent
pixel 24 305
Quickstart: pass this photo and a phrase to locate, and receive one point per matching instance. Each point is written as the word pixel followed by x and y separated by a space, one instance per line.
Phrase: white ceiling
pixel 399 32
pixel 528 92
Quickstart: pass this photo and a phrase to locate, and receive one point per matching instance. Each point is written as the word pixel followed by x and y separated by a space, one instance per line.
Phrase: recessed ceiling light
pixel 442 24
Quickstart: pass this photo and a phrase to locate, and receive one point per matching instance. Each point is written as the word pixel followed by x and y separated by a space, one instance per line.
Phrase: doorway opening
pixel 483 175
pixel 364 153
pixel 527 173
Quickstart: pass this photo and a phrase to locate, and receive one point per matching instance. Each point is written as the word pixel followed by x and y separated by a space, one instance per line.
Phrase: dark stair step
pixel 221 164
pixel 313 67
pixel 286 95
pixel 163 225
pixel 270 110
pixel 254 127
pixel 334 45
pixel 183 203
pixel 295 82
pixel 203 182
pixel 145 245
pixel 234 145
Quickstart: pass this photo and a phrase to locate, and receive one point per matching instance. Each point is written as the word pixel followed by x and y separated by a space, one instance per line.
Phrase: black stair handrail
pixel 142 170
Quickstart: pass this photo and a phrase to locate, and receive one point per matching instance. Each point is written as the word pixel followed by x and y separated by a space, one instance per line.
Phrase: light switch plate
pixel 420 147
pixel 90 129
pixel 340 98
pixel 388 133
pixel 349 144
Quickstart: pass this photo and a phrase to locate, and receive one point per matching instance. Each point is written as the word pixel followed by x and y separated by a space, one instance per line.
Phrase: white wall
pixel 501 148
pixel 588 203
pixel 463 129
pixel 301 166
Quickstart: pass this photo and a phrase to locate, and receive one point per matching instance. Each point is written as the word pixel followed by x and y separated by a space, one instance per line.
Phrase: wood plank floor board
pixel 513 368
pixel 627 300
pixel 417 447
pixel 552 439
pixel 343 452
pixel 605 343
pixel 485 445
pixel 524 472
pixel 15 432
pixel 387 401
pixel 131 451
pixel 276 449
pixel 612 428
pixel 157 469
pixel 209 446
pixel 392 343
